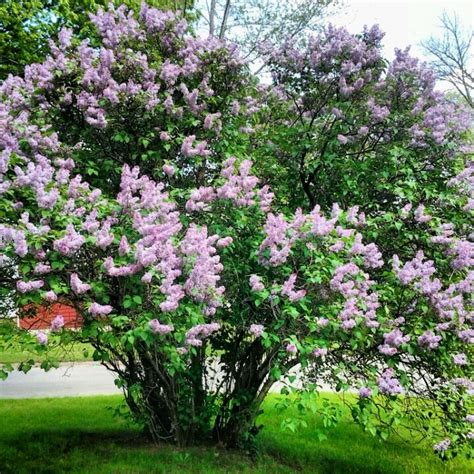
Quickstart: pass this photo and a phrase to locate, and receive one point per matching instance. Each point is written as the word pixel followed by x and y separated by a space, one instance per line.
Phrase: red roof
pixel 40 317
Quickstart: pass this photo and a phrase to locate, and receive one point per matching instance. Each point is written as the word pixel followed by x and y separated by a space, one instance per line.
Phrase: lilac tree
pixel 126 191
pixel 351 116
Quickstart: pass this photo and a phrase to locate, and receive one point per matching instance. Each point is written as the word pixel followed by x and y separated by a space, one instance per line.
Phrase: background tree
pixel 452 56
pixel 251 23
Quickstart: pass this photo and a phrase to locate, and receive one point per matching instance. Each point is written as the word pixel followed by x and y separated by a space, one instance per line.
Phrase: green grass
pixel 81 435
pixel 76 352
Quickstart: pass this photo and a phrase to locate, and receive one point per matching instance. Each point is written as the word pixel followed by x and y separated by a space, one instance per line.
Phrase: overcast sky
pixel 405 22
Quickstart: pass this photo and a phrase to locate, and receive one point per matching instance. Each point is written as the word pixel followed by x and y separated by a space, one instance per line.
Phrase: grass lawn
pixel 76 352
pixel 81 435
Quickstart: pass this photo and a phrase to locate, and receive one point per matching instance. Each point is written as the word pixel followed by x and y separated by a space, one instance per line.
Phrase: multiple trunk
pixel 185 409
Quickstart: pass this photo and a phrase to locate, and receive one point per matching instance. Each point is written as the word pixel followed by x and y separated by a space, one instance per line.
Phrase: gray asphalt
pixel 70 380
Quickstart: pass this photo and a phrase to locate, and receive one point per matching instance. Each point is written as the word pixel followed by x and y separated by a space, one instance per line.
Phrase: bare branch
pixel 249 23
pixel 451 56
pixel 212 16
pixel 224 19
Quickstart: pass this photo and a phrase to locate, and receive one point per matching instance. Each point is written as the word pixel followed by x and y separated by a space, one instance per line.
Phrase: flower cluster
pixel 280 237
pixel 256 283
pixel 450 304
pixel 288 289
pixel 78 286
pixel 197 333
pixel 392 341
pixel 97 309
pixel 159 328
pixel 204 276
pixel 355 286
pixel 388 384
pixel 57 323
pixel 256 330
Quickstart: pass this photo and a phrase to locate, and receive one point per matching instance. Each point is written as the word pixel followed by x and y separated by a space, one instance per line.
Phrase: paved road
pixel 70 380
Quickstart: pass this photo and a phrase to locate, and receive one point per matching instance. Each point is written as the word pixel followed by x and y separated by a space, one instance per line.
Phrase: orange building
pixel 40 317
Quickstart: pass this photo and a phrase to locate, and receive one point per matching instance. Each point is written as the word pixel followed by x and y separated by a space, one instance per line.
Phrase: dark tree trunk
pixel 177 408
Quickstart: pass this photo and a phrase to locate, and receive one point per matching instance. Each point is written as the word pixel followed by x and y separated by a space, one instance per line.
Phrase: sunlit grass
pixel 82 435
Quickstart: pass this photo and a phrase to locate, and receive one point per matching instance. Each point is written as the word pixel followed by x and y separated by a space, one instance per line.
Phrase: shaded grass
pixel 81 435
pixel 76 352
pixel 347 448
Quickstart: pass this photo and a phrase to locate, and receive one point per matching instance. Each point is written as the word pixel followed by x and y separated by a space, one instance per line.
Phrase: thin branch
pixel 224 19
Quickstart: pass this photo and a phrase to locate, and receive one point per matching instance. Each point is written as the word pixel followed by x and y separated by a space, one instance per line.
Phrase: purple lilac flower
pixel 70 243
pixel 429 339
pixel 342 139
pixel 238 187
pixel 420 215
pixel 78 286
pixel 42 268
pixel 460 359
pixel 122 271
pixel 256 330
pixel 189 150
pixel 26 286
pixel 147 277
pixel 320 352
pixel 124 246
pixel 256 284
pixel 365 392
pixel 370 253
pixel 354 284
pixel 168 170
pixel 442 446
pixel 388 384
pixel 64 37
pixel 392 341
pixel 50 296
pixel 203 279
pixel 288 289
pixel 224 242
pixel 195 335
pixel 97 309
pixel 104 237
pixel 463 250
pixel 57 323
pixel 291 348
pixel 200 198
pixel 405 210
pixel 467 336
pixel 159 328
pixel 42 338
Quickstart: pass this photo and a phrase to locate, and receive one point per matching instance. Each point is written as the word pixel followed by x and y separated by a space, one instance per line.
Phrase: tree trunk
pixel 212 16
pixel 178 409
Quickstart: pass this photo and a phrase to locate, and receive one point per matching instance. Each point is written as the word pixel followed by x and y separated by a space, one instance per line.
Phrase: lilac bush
pixel 342 124
pixel 127 191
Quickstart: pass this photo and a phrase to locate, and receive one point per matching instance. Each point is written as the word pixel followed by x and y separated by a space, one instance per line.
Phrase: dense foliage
pixel 26 26
pixel 127 191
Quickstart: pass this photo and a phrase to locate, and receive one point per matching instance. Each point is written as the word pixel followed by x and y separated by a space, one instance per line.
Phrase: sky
pixel 405 22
